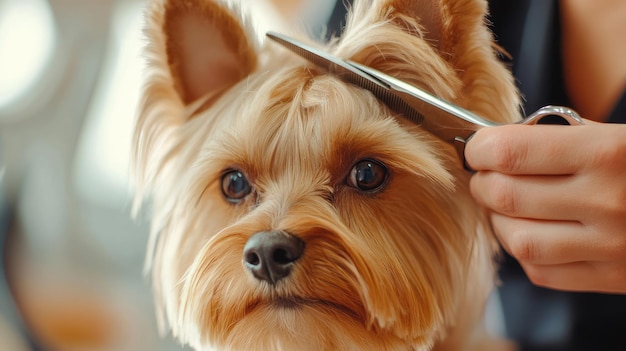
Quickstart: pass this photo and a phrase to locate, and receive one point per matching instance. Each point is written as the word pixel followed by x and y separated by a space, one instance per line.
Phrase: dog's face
pixel 293 211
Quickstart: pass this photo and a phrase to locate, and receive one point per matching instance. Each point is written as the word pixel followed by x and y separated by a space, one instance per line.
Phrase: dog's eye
pixel 367 175
pixel 235 186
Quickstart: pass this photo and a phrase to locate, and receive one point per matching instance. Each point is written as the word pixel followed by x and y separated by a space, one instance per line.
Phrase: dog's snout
pixel 270 256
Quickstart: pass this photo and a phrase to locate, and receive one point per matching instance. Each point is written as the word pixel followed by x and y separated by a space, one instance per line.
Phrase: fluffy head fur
pixel 405 267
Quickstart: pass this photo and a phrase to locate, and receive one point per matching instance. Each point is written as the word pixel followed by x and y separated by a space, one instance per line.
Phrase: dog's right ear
pixel 203 44
pixel 195 49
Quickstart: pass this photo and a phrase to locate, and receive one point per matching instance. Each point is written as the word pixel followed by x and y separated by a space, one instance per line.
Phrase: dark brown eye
pixel 235 186
pixel 367 175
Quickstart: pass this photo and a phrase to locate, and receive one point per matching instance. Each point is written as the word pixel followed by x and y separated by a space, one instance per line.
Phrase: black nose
pixel 270 256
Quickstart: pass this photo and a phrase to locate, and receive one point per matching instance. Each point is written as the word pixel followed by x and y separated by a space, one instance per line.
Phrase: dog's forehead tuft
pixel 309 110
pixel 307 96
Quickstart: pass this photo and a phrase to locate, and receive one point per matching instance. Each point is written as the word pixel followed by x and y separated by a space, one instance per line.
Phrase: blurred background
pixel 73 257
pixel 71 274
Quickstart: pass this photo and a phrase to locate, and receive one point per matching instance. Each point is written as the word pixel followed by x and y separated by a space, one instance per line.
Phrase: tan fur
pixel 408 267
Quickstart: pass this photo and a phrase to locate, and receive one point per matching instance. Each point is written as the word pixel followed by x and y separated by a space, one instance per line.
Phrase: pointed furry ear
pixel 428 13
pixel 206 47
pixel 195 49
pixel 443 46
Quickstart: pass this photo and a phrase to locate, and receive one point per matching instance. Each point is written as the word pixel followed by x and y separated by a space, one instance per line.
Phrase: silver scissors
pixel 445 120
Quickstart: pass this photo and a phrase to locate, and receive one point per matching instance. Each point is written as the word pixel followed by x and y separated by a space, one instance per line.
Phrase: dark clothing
pixel 619 111
pixel 530 31
pixel 542 319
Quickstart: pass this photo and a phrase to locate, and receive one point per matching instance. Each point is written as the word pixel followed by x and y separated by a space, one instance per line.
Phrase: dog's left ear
pixel 443 46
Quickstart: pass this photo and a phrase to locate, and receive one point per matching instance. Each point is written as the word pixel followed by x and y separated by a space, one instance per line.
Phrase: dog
pixel 294 211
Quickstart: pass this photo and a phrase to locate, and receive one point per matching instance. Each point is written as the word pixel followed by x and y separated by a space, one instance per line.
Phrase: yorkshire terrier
pixel 294 211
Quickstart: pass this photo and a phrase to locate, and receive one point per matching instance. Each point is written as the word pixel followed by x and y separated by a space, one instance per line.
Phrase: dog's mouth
pixel 296 303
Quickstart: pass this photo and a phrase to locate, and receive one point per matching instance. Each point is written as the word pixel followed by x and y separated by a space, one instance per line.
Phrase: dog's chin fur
pixel 408 266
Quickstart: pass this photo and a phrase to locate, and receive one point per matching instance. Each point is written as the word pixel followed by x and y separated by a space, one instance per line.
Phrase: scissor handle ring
pixel 568 115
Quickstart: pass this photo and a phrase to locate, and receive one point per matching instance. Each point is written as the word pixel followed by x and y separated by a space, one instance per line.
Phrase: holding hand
pixel 558 200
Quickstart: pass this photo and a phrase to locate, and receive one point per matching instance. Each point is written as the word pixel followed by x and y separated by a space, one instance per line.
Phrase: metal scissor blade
pixel 442 118
pixel 350 74
pixel 319 58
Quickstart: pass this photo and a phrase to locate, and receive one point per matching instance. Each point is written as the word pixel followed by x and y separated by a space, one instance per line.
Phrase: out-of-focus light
pixel 27 41
pixel 102 158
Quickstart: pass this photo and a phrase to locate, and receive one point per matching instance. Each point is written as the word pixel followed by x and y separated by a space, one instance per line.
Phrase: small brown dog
pixel 293 211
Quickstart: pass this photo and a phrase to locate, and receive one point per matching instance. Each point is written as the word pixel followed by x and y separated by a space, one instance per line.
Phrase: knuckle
pixel 609 206
pixel 503 195
pixel 617 249
pixel 615 202
pixel 508 155
pixel 523 247
pixel 608 154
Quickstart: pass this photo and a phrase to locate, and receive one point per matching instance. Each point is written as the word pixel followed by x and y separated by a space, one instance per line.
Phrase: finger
pixel 528 149
pixel 537 197
pixel 545 242
pixel 579 276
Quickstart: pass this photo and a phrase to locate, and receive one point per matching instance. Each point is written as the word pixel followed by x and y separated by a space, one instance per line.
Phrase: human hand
pixel 558 200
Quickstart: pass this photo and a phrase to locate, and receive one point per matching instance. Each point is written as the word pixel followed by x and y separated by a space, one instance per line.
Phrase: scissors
pixel 443 119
